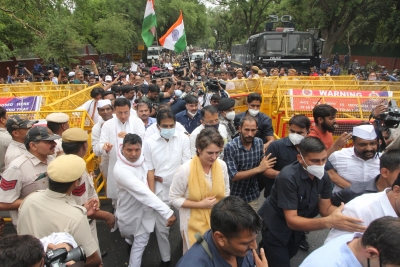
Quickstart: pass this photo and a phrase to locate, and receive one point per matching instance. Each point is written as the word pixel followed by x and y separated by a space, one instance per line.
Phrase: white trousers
pixel 138 246
pixel 162 233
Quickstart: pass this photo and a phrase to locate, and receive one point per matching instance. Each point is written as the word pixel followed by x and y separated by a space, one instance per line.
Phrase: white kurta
pixel 109 133
pixel 136 203
pixel 96 131
pixel 179 192
pixel 165 158
pixel 89 106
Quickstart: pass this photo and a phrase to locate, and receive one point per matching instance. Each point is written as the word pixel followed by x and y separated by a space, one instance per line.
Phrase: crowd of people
pixel 171 150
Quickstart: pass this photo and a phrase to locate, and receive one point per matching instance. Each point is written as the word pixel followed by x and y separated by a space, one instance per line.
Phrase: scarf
pixel 199 188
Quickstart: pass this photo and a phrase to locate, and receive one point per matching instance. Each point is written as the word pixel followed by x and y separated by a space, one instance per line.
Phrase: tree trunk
pixel 328 46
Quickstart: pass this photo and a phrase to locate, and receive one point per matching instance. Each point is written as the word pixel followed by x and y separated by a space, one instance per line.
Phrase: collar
pixel 3 130
pixel 240 144
pixel 35 161
pixel 385 203
pixel 348 256
pixel 18 144
pixel 216 256
pixel 287 142
pixel 54 194
pixel 187 115
pixel 371 187
pixel 303 172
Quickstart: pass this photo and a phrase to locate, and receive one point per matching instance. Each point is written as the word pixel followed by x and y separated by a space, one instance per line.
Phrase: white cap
pixel 108 78
pixel 366 132
pixel 103 103
pixel 178 93
pixel 71 73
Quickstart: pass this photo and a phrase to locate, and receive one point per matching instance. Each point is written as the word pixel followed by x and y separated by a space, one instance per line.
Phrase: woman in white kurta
pixel 209 144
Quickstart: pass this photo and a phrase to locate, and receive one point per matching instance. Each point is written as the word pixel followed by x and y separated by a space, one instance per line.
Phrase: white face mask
pixel 191 114
pixel 230 116
pixel 295 138
pixel 316 170
pixel 254 112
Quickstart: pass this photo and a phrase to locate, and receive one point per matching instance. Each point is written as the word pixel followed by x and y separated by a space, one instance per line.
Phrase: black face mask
pixel 214 125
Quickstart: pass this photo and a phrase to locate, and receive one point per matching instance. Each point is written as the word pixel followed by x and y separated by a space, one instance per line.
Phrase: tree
pixel 114 35
pixel 60 43
pixel 251 13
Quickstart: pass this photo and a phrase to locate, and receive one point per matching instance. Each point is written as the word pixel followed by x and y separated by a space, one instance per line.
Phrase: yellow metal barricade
pixel 72 101
pixel 21 87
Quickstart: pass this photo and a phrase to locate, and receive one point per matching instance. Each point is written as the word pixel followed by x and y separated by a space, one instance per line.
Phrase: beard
pixel 327 128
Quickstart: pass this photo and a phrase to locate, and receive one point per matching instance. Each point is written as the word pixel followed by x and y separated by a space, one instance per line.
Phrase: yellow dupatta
pixel 199 188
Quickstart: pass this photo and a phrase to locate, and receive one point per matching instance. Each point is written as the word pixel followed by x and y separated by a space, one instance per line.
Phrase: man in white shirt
pixel 164 152
pixel 378 246
pixel 91 105
pixel 105 110
pixel 209 118
pixel 137 204
pixel 112 134
pixel 369 207
pixel 358 163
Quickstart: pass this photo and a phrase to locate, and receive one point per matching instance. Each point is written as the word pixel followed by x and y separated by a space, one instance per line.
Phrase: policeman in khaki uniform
pixel 74 142
pixel 27 173
pixel 17 127
pixel 57 122
pixel 54 210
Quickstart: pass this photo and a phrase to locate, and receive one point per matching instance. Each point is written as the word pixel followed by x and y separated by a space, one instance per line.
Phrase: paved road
pixel 117 254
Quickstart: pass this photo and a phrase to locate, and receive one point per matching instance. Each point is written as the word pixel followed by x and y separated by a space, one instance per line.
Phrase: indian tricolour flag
pixel 149 24
pixel 175 38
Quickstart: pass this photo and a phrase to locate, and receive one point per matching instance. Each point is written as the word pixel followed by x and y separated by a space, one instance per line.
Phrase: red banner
pixel 344 101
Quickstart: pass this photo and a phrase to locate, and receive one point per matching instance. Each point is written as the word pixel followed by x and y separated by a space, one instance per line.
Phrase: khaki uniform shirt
pixel 24 175
pixel 5 139
pixel 14 150
pixel 47 212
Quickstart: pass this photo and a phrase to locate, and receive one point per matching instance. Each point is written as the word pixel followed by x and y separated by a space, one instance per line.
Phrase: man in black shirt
pixel 389 171
pixel 285 149
pixel 288 212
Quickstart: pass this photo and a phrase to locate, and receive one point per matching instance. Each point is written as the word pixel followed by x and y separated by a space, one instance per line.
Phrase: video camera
pixel 179 71
pixel 217 61
pixel 160 74
pixel 198 61
pixel 391 117
pixel 214 85
pixel 59 257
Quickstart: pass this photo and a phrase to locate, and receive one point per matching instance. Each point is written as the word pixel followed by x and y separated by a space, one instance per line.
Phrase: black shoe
pixel 104 254
pixel 165 264
pixel 304 243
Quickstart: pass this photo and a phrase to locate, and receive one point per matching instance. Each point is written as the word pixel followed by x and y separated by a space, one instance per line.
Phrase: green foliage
pixel 60 43
pixel 114 35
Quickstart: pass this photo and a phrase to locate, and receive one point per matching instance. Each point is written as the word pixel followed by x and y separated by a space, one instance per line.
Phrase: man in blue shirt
pixel 244 157
pixel 231 240
pixel 379 246
pixel 190 118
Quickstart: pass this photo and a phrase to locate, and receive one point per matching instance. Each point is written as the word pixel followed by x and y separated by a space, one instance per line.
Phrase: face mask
pixel 316 170
pixel 253 112
pixel 167 133
pixel 230 116
pixel 372 79
pixel 214 125
pixel 295 138
pixel 191 114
